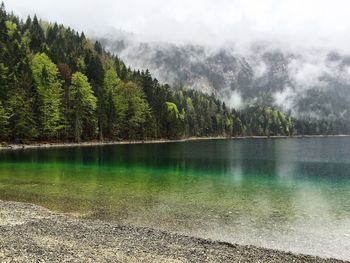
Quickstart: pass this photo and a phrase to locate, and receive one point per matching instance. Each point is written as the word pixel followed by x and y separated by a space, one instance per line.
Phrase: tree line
pixel 55 84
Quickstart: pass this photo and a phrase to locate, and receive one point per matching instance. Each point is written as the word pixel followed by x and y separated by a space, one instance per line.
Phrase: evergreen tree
pixel 83 110
pixel 111 84
pixel 21 121
pixel 3 81
pixel 4 117
pixel 37 36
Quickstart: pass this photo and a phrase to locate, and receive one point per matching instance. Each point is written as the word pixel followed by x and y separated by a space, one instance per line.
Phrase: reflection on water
pixel 291 194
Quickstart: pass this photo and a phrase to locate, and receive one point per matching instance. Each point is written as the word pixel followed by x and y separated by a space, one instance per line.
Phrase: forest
pixel 57 85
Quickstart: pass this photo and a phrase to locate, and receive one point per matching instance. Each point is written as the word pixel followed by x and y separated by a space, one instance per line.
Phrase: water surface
pixel 290 194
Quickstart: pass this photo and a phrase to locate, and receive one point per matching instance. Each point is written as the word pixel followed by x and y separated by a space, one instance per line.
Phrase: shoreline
pixel 30 233
pixel 38 145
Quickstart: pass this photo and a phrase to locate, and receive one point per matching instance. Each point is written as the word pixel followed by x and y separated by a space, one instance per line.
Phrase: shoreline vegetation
pixel 38 145
pixel 58 85
pixel 30 233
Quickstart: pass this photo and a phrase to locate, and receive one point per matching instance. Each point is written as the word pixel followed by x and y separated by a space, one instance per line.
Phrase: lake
pixel 290 194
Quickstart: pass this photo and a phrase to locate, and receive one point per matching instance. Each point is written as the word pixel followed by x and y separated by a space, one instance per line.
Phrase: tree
pixel 65 74
pixel 83 104
pixel 37 36
pixel 190 118
pixel 4 117
pixel 132 110
pixel 11 28
pixel 98 47
pixel 48 88
pixel 3 17
pixel 95 74
pixel 3 81
pixel 21 121
pixel 111 84
pixel 174 120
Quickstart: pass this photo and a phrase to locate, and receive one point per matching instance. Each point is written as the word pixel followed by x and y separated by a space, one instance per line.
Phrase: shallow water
pixel 290 194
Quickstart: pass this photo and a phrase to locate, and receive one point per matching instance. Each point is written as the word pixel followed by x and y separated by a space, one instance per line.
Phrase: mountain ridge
pixel 314 85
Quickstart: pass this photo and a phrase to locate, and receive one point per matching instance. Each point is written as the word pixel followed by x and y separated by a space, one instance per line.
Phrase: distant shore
pixel 34 145
pixel 30 233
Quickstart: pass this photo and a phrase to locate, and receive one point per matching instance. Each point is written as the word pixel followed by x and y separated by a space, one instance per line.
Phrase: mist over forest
pixel 175 74
pixel 308 83
pixel 274 52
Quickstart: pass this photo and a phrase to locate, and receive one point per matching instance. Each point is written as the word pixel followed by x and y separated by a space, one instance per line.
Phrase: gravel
pixel 29 233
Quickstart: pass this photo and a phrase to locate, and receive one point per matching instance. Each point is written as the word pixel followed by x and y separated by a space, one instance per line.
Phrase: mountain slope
pixel 313 84
pixel 55 84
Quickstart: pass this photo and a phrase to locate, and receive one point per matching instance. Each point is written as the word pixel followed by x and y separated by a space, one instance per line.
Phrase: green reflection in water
pixel 291 194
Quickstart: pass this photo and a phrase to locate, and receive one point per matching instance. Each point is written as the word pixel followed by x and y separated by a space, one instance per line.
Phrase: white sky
pixel 323 23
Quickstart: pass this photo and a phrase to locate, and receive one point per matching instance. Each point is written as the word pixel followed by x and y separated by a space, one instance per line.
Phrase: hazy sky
pixel 299 22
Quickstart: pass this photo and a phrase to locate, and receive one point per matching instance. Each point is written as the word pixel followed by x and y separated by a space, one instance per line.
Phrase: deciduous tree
pixel 83 103
pixel 49 90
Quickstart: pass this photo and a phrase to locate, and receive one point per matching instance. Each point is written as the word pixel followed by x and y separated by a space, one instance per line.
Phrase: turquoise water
pixel 290 194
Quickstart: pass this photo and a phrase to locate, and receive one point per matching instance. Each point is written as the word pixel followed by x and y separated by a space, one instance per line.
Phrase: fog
pixel 295 23
pixel 306 32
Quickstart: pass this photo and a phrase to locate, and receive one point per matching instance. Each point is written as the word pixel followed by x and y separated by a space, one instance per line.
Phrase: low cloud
pixel 285 99
pixel 297 23
pixel 312 37
pixel 234 100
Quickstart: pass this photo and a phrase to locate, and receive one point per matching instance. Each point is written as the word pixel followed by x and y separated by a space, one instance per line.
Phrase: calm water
pixel 291 194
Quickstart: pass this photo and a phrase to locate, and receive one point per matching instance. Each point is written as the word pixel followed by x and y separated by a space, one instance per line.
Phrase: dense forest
pixel 55 84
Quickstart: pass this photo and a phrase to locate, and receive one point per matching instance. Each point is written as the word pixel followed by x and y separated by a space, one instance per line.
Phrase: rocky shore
pixel 29 233
pixel 34 145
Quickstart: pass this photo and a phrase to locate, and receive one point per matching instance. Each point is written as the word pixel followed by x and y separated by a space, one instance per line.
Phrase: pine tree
pixel 111 84
pixel 4 123
pixel 22 122
pixel 37 36
pixel 83 103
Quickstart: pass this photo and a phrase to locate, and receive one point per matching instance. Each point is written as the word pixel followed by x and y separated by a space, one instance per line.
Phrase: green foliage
pixel 111 80
pixel 48 87
pixel 3 80
pixel 267 121
pixel 11 28
pixel 172 110
pixel 81 64
pixel 83 110
pixel 22 122
pixel 132 111
pixel 111 84
pixel 4 123
pixel 174 120
pixel 105 99
pixel 37 36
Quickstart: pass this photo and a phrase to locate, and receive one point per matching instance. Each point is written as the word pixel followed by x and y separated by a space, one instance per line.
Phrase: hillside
pixel 58 85
pixel 310 85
